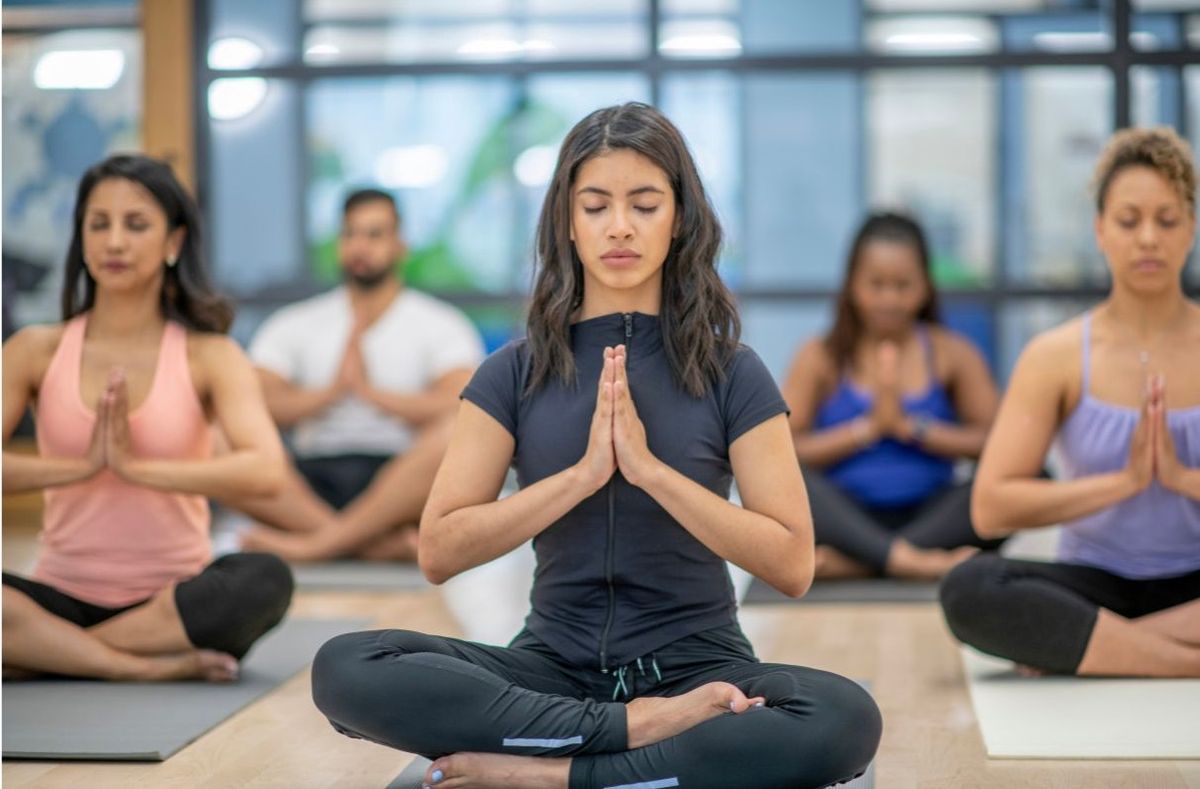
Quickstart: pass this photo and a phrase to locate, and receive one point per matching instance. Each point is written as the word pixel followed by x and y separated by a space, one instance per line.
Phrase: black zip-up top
pixel 617 577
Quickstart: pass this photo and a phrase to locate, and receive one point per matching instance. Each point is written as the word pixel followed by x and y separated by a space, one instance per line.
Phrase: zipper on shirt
pixel 609 558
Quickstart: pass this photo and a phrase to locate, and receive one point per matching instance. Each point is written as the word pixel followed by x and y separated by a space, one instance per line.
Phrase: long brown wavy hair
pixel 700 324
pixel 847 324
pixel 187 294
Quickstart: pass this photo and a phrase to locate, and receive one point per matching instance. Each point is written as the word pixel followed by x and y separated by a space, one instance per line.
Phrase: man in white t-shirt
pixel 367 377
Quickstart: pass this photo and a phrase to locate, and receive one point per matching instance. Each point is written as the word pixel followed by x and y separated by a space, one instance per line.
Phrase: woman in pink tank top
pixel 1118 391
pixel 125 393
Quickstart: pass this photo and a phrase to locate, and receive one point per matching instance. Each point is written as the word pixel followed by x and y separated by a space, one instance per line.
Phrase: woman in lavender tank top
pixel 1118 389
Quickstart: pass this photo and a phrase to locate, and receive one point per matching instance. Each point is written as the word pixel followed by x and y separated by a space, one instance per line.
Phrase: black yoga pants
pixel 1041 614
pixel 435 696
pixel 866 534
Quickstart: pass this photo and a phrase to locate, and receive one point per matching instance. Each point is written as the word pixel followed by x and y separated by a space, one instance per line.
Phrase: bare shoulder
pixel 211 347
pixel 212 357
pixel 814 359
pixel 1193 325
pixel 1060 345
pixel 38 338
pixel 953 345
pixel 1050 364
pixel 31 349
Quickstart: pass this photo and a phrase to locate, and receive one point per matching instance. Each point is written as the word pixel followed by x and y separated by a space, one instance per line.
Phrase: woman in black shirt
pixel 627 412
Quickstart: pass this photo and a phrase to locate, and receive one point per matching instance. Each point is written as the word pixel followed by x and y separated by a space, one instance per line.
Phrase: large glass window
pixel 983 118
pixel 70 99
pixel 803 181
pixel 443 146
pixel 932 138
pixel 1056 124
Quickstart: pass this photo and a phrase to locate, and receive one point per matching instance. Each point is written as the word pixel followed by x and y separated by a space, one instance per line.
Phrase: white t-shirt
pixel 415 342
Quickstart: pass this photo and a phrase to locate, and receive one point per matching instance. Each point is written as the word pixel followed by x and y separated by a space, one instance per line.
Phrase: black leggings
pixel 1041 614
pixel 865 534
pixel 227 607
pixel 435 696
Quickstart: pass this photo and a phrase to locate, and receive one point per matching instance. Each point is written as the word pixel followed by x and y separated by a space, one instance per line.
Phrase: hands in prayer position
pixel 618 438
pixel 1152 449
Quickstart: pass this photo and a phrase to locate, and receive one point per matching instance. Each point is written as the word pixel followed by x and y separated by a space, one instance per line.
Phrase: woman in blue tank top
pixel 1118 391
pixel 627 412
pixel 881 407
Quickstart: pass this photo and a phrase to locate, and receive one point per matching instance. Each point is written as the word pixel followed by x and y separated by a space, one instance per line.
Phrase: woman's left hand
pixel 634 458
pixel 1167 467
pixel 118 445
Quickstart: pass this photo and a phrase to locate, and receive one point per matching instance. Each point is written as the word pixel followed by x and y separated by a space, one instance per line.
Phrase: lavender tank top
pixel 1155 534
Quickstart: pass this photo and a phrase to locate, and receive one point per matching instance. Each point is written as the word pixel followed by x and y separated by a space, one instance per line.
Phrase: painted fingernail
pixel 437 776
pixel 759 704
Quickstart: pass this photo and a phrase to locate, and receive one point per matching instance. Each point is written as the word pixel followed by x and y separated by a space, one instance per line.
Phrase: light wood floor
pixel 930 737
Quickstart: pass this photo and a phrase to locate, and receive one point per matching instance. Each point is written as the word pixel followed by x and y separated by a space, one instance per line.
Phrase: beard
pixel 369 280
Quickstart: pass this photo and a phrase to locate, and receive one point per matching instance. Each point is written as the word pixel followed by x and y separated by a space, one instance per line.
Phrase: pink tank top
pixel 105 540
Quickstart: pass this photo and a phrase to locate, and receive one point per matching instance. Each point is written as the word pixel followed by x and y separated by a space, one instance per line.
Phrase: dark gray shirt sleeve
pixel 496 386
pixel 751 395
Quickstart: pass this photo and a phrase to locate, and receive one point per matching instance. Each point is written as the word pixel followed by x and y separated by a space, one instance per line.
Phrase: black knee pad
pixel 235 601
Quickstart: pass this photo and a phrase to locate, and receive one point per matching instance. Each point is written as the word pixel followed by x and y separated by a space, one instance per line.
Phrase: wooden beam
pixel 168 82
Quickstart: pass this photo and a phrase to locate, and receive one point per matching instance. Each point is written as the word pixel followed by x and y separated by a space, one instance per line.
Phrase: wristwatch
pixel 920 427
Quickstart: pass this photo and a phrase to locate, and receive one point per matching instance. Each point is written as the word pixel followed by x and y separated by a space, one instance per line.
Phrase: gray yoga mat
pixel 351 575
pixel 65 719
pixel 866 590
pixel 410 777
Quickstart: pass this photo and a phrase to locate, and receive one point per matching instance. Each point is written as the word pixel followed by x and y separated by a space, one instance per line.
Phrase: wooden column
pixel 168 82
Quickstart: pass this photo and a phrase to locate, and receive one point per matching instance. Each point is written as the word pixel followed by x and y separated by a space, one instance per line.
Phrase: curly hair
pixel 1159 148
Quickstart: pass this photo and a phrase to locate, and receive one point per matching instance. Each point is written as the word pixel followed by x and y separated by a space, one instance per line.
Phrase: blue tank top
pixel 1155 534
pixel 889 473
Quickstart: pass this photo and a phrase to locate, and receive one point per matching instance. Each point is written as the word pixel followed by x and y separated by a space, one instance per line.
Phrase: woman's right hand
pixel 1140 466
pixel 600 460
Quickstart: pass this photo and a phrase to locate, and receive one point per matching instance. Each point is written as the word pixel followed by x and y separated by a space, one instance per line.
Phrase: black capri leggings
pixel 1041 614
pixel 435 696
pixel 865 534
pixel 227 607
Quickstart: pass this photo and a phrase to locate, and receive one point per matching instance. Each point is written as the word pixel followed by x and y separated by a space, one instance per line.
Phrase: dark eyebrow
pixel 631 193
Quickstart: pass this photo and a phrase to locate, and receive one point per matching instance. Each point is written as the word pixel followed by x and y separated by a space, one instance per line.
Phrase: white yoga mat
pixel 1081 718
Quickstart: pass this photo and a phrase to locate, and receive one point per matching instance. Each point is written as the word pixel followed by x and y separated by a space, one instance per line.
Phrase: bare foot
pixel 497 771
pixel 652 719
pixel 203 664
pixel 928 564
pixel 833 564
pixel 398 545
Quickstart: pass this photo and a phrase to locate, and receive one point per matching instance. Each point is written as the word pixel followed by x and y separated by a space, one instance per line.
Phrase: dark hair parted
pixel 1160 148
pixel 187 294
pixel 699 320
pixel 847 324
pixel 370 195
